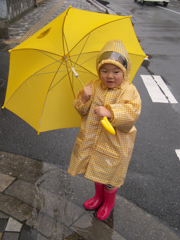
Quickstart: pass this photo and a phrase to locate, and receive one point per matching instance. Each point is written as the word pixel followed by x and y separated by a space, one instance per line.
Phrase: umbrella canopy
pixel 42 83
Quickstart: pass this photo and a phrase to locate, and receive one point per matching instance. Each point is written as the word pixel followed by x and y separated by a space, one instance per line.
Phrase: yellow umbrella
pixel 42 81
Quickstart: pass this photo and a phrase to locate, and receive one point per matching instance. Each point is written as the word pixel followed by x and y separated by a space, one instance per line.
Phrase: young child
pixel 102 157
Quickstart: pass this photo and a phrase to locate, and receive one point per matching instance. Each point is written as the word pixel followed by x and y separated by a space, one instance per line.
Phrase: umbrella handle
pixel 107 125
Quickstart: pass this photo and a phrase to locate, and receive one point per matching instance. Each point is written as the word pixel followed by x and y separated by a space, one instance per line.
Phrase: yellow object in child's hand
pixel 107 125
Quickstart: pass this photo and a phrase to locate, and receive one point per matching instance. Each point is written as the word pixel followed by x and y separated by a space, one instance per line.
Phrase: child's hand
pixel 101 111
pixel 86 94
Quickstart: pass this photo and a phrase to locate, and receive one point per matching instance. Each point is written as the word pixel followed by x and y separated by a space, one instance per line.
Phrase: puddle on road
pixel 50 201
pixel 52 213
pixel 58 205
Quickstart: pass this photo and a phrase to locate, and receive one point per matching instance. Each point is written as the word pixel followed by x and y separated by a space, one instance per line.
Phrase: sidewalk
pixel 45 202
pixel 46 11
pixel 40 201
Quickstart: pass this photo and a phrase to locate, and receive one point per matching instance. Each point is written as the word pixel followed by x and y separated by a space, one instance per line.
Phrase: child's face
pixel 111 75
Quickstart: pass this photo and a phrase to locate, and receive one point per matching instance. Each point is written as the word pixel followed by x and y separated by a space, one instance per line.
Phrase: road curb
pixel 102 7
pixel 31 186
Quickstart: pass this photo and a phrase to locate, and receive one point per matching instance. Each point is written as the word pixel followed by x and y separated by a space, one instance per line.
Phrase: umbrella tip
pixel 37 133
pixel 3 107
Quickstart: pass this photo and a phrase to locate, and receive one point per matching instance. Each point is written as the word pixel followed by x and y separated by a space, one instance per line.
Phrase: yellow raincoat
pixel 103 157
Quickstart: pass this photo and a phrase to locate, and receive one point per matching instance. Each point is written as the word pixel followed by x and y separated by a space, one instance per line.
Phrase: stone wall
pixel 3 20
pixel 10 9
pixel 17 7
pixel 3 9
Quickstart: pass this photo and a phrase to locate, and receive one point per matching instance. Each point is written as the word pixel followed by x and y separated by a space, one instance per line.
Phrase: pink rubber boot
pixel 109 201
pixel 97 200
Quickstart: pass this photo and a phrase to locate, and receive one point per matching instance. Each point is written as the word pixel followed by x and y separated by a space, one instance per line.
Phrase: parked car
pixel 165 3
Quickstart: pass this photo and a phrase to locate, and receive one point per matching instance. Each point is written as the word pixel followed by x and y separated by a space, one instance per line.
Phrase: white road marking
pixel 168 10
pixel 165 89
pixel 153 89
pixel 157 89
pixel 178 153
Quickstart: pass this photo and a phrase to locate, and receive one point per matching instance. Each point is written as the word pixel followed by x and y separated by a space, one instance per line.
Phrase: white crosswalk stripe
pixel 178 153
pixel 157 89
pixel 165 89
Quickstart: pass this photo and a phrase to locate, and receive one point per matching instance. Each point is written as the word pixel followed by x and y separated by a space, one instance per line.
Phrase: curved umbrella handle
pixel 107 125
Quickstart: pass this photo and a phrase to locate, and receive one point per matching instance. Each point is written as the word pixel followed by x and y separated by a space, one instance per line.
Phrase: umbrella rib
pixel 78 65
pixel 50 72
pixel 34 74
pixel 85 69
pixel 57 83
pixel 85 72
pixel 63 36
pixel 67 47
pixel 46 96
pixel 66 60
pixel 86 60
pixel 99 27
pixel 70 79
pixel 82 50
pixel 52 57
pixel 43 52
pixel 67 70
pixel 67 63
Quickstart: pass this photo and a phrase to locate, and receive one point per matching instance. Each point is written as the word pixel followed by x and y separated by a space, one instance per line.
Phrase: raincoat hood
pixel 114 52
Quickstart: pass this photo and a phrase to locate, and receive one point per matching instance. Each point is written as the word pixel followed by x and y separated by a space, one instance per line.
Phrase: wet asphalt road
pixel 153 178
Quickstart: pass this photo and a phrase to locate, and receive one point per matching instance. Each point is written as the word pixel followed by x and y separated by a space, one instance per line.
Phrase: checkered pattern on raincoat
pixel 103 157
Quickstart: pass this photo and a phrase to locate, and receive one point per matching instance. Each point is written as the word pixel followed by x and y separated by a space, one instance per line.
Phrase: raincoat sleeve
pixel 82 108
pixel 127 110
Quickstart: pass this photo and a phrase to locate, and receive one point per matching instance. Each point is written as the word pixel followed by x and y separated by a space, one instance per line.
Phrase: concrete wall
pixel 3 19
pixel 17 7
pixel 9 9
pixel 3 9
